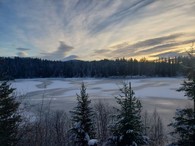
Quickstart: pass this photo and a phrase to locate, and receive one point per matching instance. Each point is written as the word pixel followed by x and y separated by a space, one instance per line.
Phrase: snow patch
pixel 92 142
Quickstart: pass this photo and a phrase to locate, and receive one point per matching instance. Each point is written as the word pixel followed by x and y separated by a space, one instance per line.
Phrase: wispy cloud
pixel 93 26
pixel 123 12
pixel 60 53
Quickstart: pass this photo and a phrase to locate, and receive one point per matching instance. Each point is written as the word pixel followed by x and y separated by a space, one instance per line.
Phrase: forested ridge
pixel 16 67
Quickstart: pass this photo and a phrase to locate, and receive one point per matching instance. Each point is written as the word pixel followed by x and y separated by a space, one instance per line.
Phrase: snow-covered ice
pixel 25 86
pixel 103 88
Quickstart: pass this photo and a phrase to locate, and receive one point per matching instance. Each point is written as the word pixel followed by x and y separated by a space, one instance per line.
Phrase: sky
pixel 96 29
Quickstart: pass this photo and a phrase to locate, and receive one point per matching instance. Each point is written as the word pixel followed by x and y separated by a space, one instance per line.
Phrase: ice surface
pixel 25 86
pixel 103 88
pixel 59 84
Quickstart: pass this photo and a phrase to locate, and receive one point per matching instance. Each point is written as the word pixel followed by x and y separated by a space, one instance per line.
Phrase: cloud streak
pixel 149 46
pixel 168 46
pixel 169 54
pixel 147 43
pixel 23 49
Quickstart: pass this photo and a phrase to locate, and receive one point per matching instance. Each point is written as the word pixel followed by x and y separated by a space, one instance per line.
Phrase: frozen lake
pixel 66 89
pixel 159 93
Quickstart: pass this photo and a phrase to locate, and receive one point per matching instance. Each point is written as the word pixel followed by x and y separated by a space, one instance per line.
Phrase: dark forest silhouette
pixel 11 68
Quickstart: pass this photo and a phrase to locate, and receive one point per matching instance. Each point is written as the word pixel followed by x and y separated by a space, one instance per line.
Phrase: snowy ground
pixel 159 93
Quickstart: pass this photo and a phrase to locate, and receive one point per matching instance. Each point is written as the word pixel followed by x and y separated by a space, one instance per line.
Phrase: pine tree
pixel 82 117
pixel 128 128
pixel 9 117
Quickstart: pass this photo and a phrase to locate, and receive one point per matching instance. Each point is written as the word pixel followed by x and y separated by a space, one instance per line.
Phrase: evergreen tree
pixel 128 128
pixel 188 85
pixel 184 120
pixel 183 128
pixel 82 116
pixel 9 117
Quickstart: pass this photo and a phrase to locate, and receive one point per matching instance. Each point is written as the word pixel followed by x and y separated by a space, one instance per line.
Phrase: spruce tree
pixel 9 117
pixel 188 85
pixel 128 128
pixel 82 117
pixel 183 128
pixel 184 120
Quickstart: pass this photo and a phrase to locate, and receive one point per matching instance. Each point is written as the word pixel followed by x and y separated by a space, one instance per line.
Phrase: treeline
pixel 11 68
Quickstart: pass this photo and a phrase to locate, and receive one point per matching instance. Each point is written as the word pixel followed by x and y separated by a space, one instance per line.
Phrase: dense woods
pixel 11 68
